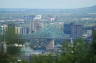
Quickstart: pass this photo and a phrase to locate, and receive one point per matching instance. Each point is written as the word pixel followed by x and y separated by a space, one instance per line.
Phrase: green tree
pixel 75 52
pixel 10 38
pixel 92 53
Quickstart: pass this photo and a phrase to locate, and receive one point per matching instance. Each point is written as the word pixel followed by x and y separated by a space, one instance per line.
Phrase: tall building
pixel 28 18
pixel 37 24
pixel 28 23
pixel 32 23
pixel 76 31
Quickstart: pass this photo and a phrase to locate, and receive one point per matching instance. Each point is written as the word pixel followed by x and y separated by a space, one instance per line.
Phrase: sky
pixel 47 4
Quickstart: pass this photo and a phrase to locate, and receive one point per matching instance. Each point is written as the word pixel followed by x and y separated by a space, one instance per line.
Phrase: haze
pixel 47 4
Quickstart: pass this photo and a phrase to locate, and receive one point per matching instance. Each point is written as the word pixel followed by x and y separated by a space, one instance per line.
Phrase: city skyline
pixel 47 4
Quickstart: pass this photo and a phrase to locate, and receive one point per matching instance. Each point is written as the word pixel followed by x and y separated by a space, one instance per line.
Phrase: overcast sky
pixel 49 4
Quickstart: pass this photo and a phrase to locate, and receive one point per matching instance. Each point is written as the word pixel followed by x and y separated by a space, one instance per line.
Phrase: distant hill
pixel 86 10
pixel 40 11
